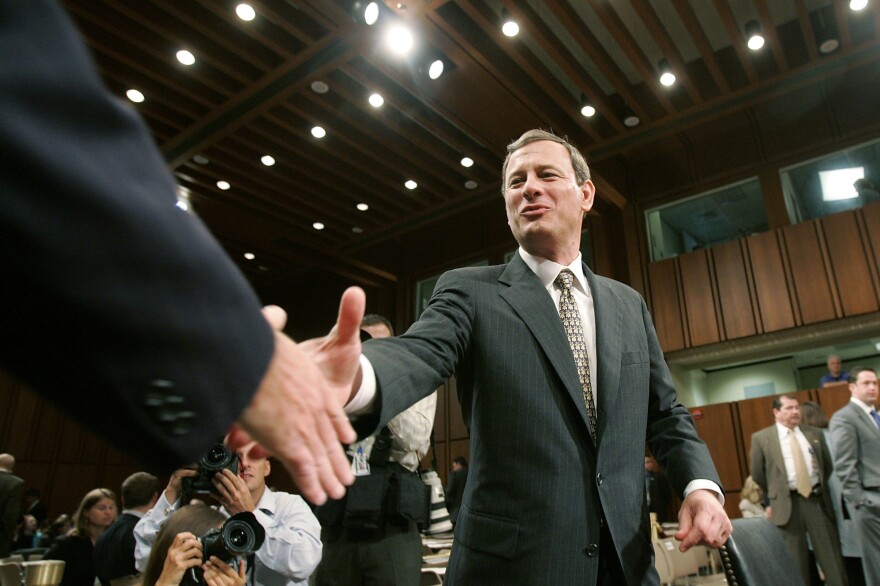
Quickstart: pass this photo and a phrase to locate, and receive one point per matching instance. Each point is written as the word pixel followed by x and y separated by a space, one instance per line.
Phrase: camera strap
pixel 381 448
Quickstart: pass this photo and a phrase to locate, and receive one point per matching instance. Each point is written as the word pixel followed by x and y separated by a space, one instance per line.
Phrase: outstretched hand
pixel 702 520
pixel 296 415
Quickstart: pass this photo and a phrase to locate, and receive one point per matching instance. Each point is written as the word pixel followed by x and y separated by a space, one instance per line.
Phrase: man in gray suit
pixel 11 488
pixel 556 491
pixel 791 463
pixel 855 432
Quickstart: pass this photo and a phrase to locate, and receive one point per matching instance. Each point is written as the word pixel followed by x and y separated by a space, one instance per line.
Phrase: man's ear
pixel 589 192
pixel 268 467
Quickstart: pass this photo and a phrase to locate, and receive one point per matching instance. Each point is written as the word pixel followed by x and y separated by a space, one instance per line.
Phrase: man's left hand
pixel 702 520
pixel 233 493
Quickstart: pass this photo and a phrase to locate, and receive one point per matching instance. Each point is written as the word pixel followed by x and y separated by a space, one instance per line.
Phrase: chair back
pixel 756 555
pixel 10 573
pixel 43 572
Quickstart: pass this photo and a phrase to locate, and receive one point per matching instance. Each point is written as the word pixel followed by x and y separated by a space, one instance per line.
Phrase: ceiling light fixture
pixel 826 35
pixel 135 96
pixel 856 5
pixel 467 162
pixel 318 226
pixel 319 87
pixel 667 78
pixel 587 108
pixel 471 184
pixel 250 255
pixel 398 39
pixel 201 159
pixel 365 12
pixel 754 38
pixel 376 100
pixel 245 12
pixel 509 26
pixel 357 229
pixel 630 119
pixel 410 184
pixel 186 57
pixel 319 132
pixel 435 70
pixel 224 185
pixel 267 160
pixel 363 207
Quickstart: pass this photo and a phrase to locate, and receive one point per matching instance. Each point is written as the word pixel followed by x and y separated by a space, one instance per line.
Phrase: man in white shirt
pixel 791 463
pixel 292 548
pixel 855 432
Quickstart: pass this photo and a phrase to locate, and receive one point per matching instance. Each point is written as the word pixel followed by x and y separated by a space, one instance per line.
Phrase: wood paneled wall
pixel 798 275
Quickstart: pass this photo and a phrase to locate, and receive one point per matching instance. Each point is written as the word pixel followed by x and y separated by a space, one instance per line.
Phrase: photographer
pixel 292 548
pixel 177 549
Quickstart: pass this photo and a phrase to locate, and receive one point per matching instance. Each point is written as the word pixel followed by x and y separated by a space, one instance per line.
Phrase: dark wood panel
pixel 734 295
pixel 25 406
pixel 850 264
pixel 871 213
pixel 699 299
pixel 833 397
pixel 665 306
pixel 812 283
pixel 72 482
pixel 715 424
pixel 771 287
pixel 756 414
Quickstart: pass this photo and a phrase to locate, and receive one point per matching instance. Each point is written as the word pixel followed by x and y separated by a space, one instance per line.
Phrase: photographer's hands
pixel 233 493
pixel 185 553
pixel 175 484
pixel 296 414
pixel 219 573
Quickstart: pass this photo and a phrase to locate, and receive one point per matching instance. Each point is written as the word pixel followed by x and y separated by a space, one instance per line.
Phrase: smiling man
pixel 292 548
pixel 562 382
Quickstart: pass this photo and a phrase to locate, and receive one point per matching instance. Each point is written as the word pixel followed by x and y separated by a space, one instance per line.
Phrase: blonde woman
pixel 750 503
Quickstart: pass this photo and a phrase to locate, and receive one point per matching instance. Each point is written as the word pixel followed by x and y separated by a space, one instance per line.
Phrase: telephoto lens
pixel 240 536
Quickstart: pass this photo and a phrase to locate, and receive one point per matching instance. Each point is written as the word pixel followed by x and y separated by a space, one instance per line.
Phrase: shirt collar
pixel 784 431
pixel 547 270
pixel 865 407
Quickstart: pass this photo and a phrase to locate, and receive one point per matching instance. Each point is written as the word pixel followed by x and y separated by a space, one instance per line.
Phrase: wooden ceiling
pixel 250 93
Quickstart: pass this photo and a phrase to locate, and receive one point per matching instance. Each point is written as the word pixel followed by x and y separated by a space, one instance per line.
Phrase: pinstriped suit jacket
pixel 538 482
pixel 856 441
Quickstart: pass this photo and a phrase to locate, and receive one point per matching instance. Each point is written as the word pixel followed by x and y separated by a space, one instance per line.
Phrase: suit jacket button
pixel 591 550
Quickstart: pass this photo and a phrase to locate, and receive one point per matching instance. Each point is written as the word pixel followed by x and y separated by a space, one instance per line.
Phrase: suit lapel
pixel 609 345
pixel 775 448
pixel 527 296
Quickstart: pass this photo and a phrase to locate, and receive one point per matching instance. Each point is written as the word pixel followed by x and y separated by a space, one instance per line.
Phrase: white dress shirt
pixel 788 457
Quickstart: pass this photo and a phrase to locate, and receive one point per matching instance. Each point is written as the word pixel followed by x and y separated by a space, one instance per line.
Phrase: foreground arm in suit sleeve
pixel 116 305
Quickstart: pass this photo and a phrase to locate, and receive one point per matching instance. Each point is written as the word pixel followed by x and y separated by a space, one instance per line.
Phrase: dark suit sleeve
pixel 116 305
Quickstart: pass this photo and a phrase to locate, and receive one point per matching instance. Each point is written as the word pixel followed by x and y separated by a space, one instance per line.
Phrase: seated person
pixel 25 534
pixel 751 499
pixel 177 549
pixel 292 549
pixel 836 374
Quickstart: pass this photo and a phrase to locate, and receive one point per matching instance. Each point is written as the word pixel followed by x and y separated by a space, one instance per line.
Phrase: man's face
pixel 834 365
pixel 789 414
pixel 865 388
pixel 377 330
pixel 252 470
pixel 545 205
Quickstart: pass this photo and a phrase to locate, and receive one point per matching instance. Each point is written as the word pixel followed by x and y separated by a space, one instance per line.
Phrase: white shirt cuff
pixel 365 397
pixel 701 483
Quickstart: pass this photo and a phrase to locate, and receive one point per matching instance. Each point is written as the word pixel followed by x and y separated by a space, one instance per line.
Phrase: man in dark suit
pixel 11 488
pixel 34 507
pixel 855 433
pixel 562 382
pixel 114 549
pixel 791 463
pixel 454 490
pixel 118 306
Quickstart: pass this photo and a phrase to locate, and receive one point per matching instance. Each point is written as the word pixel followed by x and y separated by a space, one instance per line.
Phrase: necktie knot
pixel 564 280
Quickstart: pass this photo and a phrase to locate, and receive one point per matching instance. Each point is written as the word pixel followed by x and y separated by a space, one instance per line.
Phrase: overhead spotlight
pixel 435 70
pixel 509 26
pixel 224 185
pixel 376 100
pixel 186 57
pixel 755 39
pixel 399 39
pixel 826 35
pixel 250 255
pixel 856 5
pixel 667 78
pixel 320 87
pixel 201 159
pixel 267 160
pixel 471 184
pixel 245 12
pixel 362 207
pixel 319 132
pixel 318 226
pixel 467 162
pixel 135 96
pixel 365 12
pixel 629 118
pixel 410 184
pixel 587 108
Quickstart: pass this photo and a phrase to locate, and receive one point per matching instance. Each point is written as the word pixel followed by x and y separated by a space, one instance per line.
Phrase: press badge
pixel 359 464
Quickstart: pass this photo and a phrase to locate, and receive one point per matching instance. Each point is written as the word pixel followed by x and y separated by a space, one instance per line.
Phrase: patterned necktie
pixel 876 417
pixel 801 476
pixel 574 330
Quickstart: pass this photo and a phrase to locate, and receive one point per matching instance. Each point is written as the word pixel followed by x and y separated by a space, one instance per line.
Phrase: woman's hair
pixel 197 519
pixel 814 415
pixel 750 490
pixel 93 497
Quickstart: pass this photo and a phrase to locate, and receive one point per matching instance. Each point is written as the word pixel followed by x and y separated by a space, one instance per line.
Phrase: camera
pixel 217 458
pixel 240 536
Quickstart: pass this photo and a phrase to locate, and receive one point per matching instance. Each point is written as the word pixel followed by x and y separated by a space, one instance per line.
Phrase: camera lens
pixel 238 538
pixel 216 455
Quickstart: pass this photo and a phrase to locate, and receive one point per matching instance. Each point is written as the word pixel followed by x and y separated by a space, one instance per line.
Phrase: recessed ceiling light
pixel 319 132
pixel 410 184
pixel 856 5
pixel 318 226
pixel 471 184
pixel 224 185
pixel 435 70
pixel 264 268
pixel 135 96
pixel 667 79
pixel 267 160
pixel 509 26
pixel 376 100
pixel 467 162
pixel 363 207
pixel 588 110
pixel 250 255
pixel 245 12
pixel 201 159
pixel 399 39
pixel 357 229
pixel 828 46
pixel 319 87
pixel 186 57
pixel 631 120
pixel 371 13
